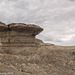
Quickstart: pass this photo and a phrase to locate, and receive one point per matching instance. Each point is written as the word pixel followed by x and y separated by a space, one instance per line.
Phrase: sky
pixel 56 17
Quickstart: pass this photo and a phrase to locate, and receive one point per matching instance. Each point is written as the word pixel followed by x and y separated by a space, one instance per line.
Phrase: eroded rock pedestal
pixel 16 37
pixel 18 33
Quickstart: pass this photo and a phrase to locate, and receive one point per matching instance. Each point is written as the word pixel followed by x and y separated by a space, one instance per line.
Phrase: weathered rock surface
pixel 22 54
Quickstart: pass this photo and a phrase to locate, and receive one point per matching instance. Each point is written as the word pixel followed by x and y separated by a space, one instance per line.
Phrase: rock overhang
pixel 19 35
pixel 21 27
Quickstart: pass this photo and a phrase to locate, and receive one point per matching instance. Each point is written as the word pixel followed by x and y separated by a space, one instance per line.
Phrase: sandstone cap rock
pixel 21 27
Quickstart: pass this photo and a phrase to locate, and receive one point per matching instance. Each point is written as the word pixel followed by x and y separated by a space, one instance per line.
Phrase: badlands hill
pixel 22 54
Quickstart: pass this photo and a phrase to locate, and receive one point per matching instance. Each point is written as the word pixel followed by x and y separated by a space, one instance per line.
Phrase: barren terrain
pixel 44 60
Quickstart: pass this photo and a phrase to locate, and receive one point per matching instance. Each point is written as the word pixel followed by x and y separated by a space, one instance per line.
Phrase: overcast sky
pixel 57 17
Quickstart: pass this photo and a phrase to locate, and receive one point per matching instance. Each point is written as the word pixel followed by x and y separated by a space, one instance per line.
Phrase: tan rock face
pixel 3 27
pixel 19 34
pixel 22 54
pixel 29 29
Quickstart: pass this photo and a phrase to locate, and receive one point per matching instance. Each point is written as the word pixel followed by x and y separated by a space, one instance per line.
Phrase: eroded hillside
pixel 22 54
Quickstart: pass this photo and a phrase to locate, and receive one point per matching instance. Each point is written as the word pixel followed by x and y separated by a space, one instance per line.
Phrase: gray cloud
pixel 72 0
pixel 57 17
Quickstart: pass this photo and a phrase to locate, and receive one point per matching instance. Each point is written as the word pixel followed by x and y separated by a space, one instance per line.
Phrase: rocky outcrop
pixel 21 27
pixel 19 34
pixel 22 54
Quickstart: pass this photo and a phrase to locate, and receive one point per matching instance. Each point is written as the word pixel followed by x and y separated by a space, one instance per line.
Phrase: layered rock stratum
pixel 22 54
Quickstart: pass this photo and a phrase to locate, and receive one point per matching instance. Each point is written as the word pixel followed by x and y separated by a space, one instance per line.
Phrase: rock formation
pixel 22 54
